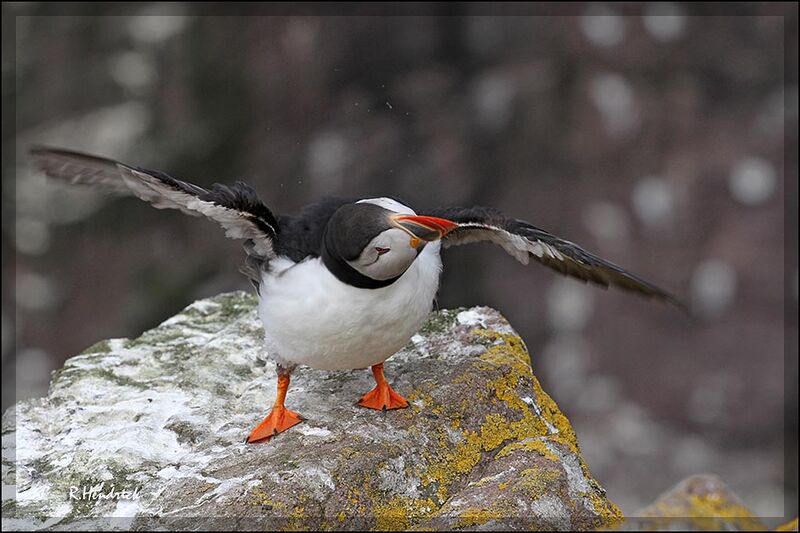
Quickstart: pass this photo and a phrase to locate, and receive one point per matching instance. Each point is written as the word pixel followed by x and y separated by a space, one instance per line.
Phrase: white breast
pixel 311 318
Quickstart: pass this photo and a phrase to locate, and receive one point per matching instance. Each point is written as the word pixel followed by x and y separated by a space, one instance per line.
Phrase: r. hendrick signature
pixel 98 492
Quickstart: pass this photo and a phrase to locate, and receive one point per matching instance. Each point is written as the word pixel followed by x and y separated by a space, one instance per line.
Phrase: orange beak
pixel 425 228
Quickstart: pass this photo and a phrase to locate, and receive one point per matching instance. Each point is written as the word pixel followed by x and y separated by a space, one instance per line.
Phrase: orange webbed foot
pixel 277 421
pixel 383 398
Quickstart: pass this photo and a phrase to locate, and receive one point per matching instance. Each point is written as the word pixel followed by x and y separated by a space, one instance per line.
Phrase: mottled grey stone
pixel 166 414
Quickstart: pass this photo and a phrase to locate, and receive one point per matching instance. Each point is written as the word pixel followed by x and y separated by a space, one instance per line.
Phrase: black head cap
pixel 347 233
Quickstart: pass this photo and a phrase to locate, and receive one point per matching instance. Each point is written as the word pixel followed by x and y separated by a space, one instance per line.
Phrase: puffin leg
pixel 280 418
pixel 382 397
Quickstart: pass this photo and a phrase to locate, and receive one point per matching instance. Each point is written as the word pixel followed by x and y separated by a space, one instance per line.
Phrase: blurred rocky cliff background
pixel 661 136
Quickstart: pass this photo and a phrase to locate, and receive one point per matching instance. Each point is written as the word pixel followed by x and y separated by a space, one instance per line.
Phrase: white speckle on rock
pixel 167 413
pixel 311 431
pixel 420 343
pixel 125 510
pixel 550 427
pixel 168 472
pixel 394 480
pixel 227 485
pixel 572 465
pixel 317 480
pixel 204 307
pixel 471 318
pixel 37 491
pixel 553 512
pixel 116 344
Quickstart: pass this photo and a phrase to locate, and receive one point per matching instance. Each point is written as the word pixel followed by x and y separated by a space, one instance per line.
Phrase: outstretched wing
pixel 524 241
pixel 236 208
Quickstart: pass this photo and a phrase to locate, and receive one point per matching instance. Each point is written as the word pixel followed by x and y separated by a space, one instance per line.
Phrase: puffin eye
pixel 381 251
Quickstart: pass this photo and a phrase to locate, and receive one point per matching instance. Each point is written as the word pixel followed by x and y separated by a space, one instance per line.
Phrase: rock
pixel 698 503
pixel 166 415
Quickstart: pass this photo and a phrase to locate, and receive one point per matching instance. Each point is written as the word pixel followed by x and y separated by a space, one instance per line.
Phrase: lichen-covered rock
pixel 166 415
pixel 698 503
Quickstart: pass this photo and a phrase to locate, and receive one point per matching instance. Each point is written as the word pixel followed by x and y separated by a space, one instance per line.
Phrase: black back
pixel 300 236
pixel 337 230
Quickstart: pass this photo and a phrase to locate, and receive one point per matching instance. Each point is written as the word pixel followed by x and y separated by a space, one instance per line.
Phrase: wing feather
pixel 524 241
pixel 236 208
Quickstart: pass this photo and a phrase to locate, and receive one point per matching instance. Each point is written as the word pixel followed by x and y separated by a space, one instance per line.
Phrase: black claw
pixel 274 431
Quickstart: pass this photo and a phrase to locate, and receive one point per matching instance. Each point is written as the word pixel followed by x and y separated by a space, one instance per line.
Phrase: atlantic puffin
pixel 347 282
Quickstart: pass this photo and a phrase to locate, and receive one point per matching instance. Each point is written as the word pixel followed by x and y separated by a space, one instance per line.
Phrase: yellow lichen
pixel 457 447
pixel 478 516
pixel 535 482
pixel 391 516
pixel 709 511
pixel 511 352
pixel 430 404
pixel 706 510
pixel 538 445
pixel 259 497
pixel 609 514
pixel 356 501
pixel 553 415
pixel 496 429
pixel 788 526
pixel 297 517
pixel 399 512
pixel 449 462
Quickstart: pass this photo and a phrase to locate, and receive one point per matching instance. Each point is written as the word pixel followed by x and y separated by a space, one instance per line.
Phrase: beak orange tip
pixel 441 225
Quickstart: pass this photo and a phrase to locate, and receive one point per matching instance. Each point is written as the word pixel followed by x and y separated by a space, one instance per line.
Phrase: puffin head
pixel 371 243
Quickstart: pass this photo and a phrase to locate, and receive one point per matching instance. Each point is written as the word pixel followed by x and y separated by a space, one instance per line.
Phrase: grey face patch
pixel 386 256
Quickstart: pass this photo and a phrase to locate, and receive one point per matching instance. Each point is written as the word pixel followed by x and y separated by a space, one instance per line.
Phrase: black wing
pixel 236 208
pixel 523 241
